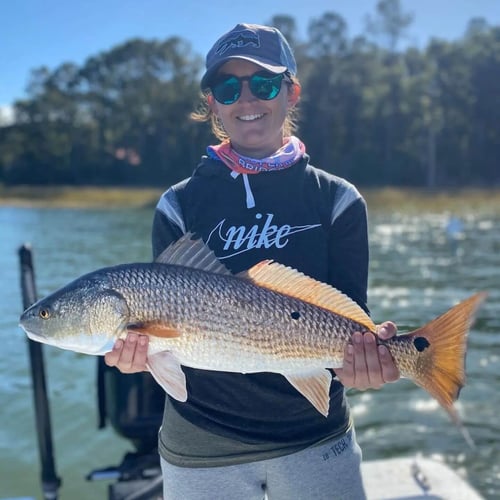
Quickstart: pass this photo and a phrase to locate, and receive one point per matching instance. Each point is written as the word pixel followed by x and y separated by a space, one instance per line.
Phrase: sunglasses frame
pixel 268 78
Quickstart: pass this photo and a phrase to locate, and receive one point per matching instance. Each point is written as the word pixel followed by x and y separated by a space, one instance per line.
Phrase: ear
pixel 211 104
pixel 294 94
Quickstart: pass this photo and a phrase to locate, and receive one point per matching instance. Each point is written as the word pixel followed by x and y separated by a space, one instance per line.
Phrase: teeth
pixel 248 118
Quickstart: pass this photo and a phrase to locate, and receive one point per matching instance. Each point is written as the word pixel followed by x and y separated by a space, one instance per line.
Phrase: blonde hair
pixel 204 114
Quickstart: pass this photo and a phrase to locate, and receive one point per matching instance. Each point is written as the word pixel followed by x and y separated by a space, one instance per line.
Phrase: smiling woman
pixel 255 197
pixel 252 107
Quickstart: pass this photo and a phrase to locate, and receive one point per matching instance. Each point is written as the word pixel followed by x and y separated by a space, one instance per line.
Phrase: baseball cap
pixel 262 45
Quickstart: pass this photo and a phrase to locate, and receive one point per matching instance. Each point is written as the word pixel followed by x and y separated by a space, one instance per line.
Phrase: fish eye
pixel 44 313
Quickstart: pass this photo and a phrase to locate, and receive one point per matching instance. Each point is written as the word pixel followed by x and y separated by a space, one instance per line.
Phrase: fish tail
pixel 442 344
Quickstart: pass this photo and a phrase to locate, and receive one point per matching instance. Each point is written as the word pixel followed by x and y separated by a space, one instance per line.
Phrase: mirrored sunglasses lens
pixel 227 91
pixel 265 87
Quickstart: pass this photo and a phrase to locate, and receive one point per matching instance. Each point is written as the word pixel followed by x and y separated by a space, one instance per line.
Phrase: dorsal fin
pixel 293 283
pixel 190 252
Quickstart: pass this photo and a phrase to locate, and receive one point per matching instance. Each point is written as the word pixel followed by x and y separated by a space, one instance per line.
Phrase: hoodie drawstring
pixel 248 190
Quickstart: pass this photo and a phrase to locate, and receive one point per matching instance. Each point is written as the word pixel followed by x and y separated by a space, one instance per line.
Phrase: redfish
pixel 270 318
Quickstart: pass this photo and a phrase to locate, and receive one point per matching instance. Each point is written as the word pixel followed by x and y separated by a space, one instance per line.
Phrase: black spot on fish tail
pixel 295 315
pixel 421 343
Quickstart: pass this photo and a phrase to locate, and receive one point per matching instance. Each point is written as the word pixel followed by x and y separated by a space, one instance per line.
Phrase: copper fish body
pixel 268 319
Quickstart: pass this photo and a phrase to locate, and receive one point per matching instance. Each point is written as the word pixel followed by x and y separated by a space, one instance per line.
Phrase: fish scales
pixel 254 329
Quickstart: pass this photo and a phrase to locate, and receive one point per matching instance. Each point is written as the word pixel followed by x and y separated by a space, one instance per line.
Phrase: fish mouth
pixel 37 337
pixel 83 343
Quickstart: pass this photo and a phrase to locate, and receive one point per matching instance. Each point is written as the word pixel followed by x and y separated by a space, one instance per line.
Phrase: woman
pixel 254 197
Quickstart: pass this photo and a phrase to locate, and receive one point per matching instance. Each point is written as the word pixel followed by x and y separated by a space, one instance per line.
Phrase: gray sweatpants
pixel 330 471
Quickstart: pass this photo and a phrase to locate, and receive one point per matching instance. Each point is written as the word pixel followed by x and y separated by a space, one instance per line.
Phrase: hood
pixel 212 167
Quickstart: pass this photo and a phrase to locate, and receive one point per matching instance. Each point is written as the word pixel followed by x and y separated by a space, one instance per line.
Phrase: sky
pixel 36 33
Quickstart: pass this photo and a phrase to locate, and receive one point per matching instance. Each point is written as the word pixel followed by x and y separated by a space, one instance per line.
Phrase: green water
pixel 416 274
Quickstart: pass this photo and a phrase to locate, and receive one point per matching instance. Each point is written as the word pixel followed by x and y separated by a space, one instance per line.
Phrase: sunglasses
pixel 263 85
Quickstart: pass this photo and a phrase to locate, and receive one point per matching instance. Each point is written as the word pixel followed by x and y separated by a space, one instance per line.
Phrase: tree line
pixel 369 111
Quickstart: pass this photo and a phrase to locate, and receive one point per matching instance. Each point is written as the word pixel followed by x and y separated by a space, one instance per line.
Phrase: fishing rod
pixel 50 481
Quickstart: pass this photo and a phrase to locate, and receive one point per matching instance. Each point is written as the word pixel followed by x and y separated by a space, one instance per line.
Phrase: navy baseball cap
pixel 262 45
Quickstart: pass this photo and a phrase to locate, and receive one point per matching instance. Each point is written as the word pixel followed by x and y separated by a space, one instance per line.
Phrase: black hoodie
pixel 301 217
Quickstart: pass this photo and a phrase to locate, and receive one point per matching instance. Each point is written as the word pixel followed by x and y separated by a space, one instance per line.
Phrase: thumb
pixel 387 330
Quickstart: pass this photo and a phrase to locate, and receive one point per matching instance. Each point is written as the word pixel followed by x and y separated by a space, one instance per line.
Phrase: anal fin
pixel 315 387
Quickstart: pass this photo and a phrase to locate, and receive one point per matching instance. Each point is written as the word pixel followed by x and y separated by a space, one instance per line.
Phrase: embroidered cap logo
pixel 238 39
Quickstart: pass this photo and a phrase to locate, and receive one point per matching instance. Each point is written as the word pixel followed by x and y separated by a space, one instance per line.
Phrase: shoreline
pixel 460 200
pixel 24 196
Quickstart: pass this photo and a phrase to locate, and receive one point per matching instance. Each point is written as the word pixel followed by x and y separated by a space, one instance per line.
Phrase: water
pixel 416 274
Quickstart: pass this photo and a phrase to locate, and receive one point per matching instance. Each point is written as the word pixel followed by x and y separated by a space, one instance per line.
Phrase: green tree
pixel 390 24
pixel 321 119
pixel 369 112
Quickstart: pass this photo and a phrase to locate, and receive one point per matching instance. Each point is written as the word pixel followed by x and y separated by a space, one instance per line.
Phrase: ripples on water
pixel 416 274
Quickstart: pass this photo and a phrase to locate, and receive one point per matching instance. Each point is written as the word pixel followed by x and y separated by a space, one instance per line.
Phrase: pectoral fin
pixel 167 371
pixel 314 386
pixel 155 329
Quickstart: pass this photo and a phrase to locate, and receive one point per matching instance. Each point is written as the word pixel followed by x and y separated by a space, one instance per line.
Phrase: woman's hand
pixel 366 364
pixel 129 356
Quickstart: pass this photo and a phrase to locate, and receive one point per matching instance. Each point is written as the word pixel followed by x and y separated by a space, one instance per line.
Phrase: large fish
pixel 270 318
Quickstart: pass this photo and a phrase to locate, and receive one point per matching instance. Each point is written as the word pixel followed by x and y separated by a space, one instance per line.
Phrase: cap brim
pixel 209 74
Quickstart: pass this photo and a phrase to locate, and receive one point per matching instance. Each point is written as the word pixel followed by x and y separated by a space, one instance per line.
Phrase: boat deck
pixel 413 478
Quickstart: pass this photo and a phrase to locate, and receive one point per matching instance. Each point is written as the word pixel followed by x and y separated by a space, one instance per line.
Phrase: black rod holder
pixel 50 481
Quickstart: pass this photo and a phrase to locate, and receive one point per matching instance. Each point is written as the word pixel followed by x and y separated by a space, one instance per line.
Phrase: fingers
pixel 366 364
pixel 111 358
pixel 373 377
pixel 346 373
pixel 390 372
pixel 355 371
pixel 129 356
pixel 366 369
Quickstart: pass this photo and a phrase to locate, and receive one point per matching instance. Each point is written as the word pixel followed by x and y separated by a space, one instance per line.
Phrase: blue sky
pixel 49 32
